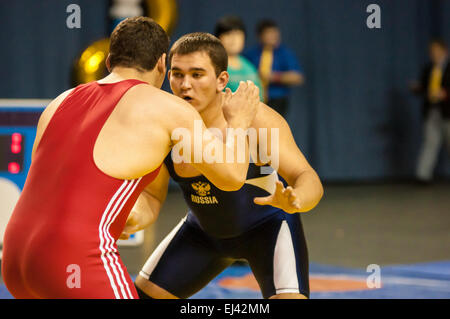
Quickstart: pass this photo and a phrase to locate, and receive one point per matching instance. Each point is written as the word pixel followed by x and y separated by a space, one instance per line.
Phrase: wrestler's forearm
pixel 147 209
pixel 237 143
pixel 227 170
pixel 308 189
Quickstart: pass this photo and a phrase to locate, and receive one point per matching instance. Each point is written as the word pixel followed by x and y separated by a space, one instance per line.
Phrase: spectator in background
pixel 278 67
pixel 231 32
pixel 434 87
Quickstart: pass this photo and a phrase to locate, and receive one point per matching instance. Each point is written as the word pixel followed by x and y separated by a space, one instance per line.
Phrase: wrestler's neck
pixel 117 74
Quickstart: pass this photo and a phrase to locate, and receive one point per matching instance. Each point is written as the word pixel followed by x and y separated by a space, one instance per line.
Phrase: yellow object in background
pixel 164 12
pixel 91 64
pixel 265 69
pixel 434 86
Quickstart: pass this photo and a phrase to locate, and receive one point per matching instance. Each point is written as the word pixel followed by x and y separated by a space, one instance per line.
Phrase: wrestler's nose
pixel 186 83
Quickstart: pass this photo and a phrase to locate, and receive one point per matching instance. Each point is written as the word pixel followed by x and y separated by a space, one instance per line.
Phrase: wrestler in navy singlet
pixel 222 227
pixel 226 214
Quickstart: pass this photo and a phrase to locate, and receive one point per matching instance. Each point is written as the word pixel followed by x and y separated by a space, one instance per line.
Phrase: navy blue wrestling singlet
pixel 222 227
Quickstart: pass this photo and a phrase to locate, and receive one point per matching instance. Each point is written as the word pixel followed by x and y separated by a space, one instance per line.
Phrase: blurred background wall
pixel 354 119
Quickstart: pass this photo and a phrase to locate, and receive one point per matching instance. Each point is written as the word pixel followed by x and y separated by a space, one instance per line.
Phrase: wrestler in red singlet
pixel 70 212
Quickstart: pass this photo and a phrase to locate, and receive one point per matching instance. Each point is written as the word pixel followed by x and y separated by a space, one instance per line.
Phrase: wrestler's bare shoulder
pixel 266 117
pixel 150 99
pixel 151 102
pixel 53 105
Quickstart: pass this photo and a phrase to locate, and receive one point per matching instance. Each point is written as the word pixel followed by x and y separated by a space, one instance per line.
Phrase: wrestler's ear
pixel 161 64
pixel 222 81
pixel 108 63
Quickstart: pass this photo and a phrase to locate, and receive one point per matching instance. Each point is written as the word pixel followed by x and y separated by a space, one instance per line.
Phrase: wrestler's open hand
pixel 283 198
pixel 240 107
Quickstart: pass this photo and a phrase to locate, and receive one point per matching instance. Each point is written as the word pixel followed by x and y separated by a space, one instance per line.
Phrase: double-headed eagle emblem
pixel 201 188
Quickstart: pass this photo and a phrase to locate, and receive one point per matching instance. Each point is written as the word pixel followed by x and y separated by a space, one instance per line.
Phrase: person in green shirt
pixel 231 32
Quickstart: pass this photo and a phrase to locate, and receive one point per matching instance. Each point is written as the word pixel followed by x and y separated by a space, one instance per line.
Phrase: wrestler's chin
pixel 197 105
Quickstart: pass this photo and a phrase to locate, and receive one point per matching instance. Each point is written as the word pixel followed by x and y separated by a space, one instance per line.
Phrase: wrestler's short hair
pixel 137 43
pixel 202 42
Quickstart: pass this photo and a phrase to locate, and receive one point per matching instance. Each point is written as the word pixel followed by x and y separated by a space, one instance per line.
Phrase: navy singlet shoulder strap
pixel 170 167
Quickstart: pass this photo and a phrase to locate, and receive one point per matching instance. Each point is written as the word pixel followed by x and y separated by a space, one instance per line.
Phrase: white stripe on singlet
pixel 108 252
pixel 284 263
pixel 153 260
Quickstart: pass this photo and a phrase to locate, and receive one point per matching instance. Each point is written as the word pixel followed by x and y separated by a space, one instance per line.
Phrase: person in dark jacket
pixel 434 87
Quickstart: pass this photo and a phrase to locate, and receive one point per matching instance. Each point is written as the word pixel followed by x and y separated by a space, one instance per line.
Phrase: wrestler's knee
pixel 288 296
pixel 152 290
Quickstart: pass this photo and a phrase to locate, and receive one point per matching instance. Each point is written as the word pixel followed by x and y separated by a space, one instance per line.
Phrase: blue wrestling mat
pixel 424 281
pixel 417 281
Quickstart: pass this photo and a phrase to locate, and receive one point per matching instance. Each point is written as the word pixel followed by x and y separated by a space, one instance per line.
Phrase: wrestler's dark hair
pixel 137 43
pixel 203 42
pixel 265 24
pixel 227 24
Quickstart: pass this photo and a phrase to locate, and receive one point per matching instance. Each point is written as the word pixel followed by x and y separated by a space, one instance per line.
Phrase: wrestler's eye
pixel 177 75
pixel 197 75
